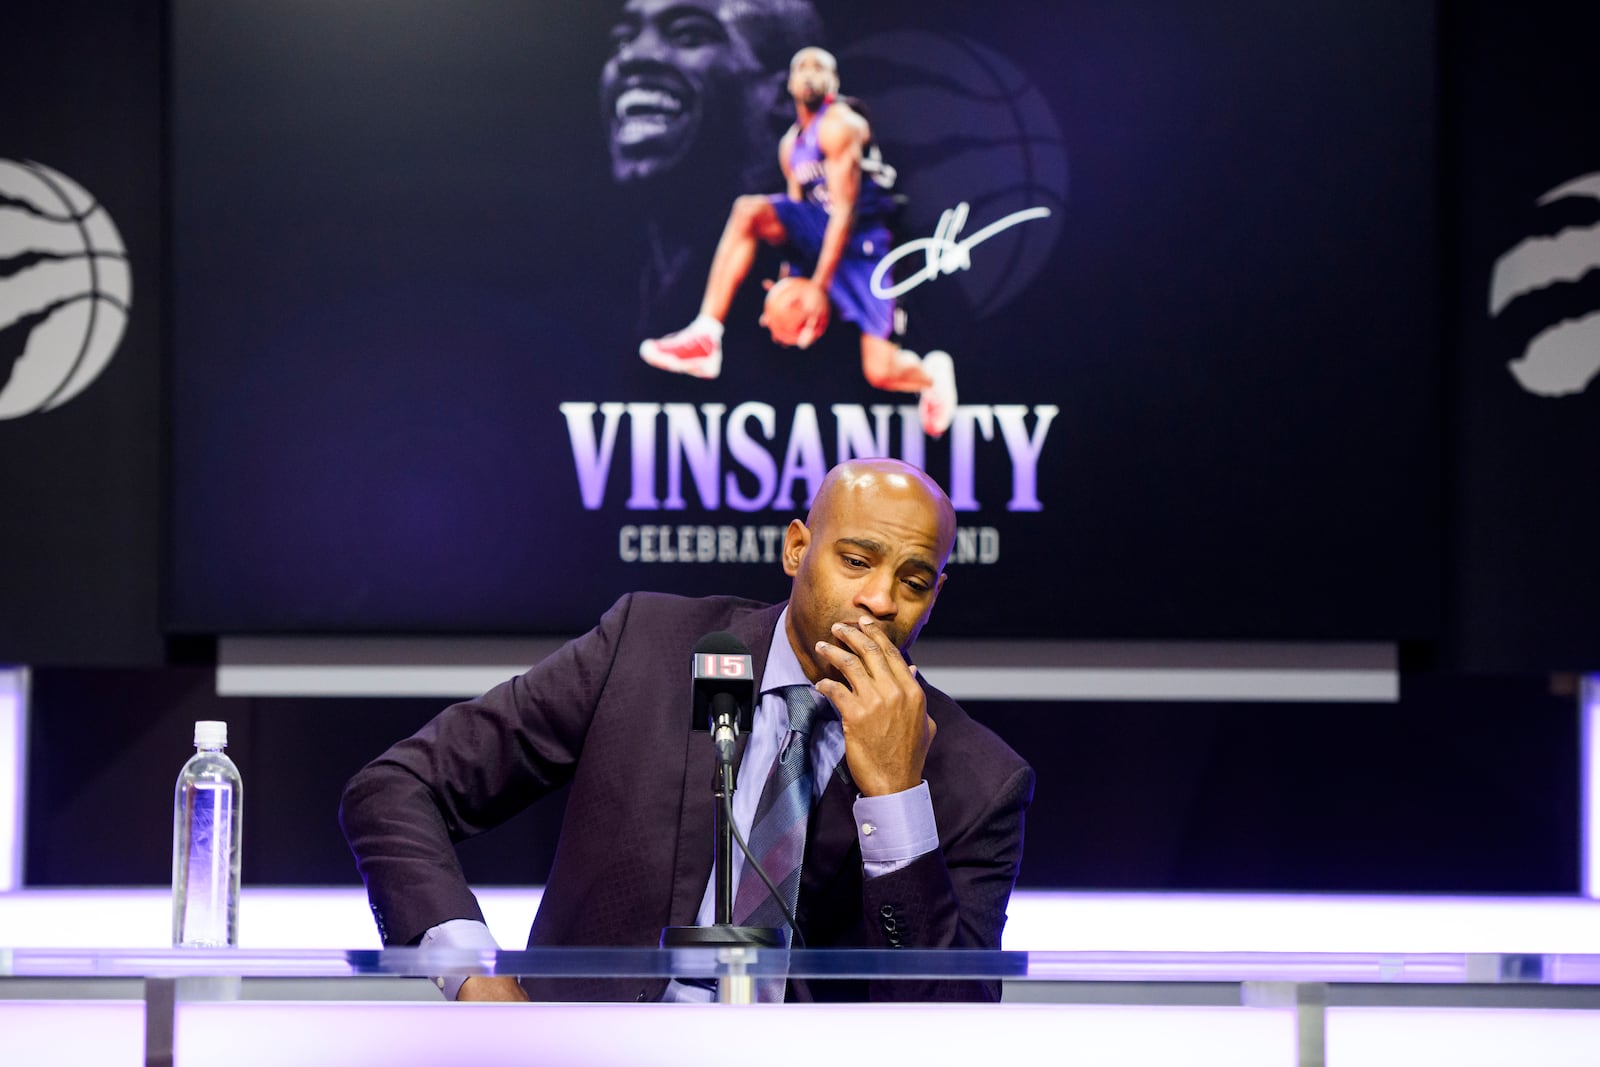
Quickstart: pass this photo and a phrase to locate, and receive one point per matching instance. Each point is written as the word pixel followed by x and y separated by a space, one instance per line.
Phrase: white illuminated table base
pixel 1104 1008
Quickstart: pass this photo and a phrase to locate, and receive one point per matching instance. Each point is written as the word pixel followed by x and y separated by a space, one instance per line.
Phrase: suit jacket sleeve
pixel 955 896
pixel 952 897
pixel 471 768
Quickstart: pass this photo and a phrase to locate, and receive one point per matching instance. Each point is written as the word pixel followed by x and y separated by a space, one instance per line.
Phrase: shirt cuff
pixel 895 829
pixel 458 933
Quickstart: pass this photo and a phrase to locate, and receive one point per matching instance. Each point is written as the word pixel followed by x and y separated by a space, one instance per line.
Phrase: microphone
pixel 724 689
pixel 724 697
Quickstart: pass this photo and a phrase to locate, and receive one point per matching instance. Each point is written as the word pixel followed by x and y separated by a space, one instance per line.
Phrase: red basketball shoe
pixel 693 350
pixel 937 403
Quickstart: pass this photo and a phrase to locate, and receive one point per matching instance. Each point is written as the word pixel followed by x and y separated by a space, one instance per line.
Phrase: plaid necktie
pixel 778 830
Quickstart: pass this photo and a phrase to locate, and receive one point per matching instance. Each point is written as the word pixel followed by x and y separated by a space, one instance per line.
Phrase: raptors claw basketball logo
pixel 1563 357
pixel 65 289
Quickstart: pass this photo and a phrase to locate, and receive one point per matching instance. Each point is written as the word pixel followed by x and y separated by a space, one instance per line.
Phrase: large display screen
pixel 1181 257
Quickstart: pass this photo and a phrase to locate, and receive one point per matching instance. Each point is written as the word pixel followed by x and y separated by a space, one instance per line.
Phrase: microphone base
pixel 721 936
pixel 735 984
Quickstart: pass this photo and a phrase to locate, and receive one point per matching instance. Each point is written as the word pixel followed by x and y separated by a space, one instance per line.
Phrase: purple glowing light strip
pixel 13 772
pixel 1589 738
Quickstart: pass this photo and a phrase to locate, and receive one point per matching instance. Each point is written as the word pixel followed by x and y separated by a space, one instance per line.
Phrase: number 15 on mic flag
pixel 712 665
pixel 724 680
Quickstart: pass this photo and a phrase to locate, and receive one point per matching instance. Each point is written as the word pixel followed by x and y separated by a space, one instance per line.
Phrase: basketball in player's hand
pixel 791 302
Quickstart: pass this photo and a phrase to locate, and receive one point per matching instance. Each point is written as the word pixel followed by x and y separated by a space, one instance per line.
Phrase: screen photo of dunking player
pixel 832 221
pixel 693 97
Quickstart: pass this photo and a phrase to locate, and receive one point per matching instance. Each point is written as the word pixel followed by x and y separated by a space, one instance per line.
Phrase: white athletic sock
pixel 706 324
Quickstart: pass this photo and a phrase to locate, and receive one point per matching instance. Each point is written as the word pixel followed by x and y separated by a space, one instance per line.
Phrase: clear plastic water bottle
pixel 206 819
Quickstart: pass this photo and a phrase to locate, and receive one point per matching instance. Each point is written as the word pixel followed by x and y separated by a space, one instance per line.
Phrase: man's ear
pixel 796 539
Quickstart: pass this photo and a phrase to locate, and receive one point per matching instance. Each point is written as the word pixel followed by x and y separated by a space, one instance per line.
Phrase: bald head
pixel 885 479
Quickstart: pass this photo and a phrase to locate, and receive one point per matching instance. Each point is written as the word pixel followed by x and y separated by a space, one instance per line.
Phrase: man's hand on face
pixel 887 730
pixel 483 987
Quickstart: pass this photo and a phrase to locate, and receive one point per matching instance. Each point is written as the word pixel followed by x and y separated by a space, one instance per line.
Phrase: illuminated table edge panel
pixel 1039 919
pixel 1239 968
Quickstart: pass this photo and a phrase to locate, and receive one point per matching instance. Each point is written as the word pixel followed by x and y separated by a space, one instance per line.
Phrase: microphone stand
pixel 722 788
pixel 737 986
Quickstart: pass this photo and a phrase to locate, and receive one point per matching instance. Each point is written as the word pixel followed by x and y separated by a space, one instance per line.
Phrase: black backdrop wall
pixel 81 474
pixel 1523 209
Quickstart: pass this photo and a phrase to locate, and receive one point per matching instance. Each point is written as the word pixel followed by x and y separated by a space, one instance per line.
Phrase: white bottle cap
pixel 211 734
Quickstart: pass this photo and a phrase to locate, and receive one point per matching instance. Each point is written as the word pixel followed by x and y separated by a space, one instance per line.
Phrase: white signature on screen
pixel 942 253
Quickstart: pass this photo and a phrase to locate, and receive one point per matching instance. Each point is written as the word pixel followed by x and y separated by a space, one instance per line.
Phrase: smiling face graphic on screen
pixel 698 81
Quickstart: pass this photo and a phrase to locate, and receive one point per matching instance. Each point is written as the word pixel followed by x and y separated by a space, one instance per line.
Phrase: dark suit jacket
pixel 609 713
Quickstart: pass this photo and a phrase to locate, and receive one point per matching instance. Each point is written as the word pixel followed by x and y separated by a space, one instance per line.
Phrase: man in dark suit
pixel 915 832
